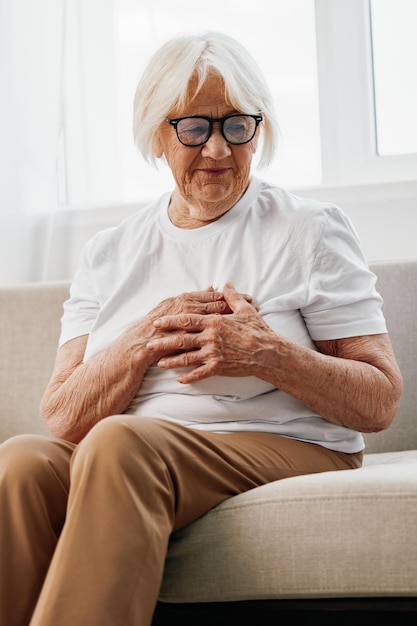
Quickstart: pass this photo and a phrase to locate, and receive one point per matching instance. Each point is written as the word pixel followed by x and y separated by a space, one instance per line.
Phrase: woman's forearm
pixel 344 390
pixel 81 393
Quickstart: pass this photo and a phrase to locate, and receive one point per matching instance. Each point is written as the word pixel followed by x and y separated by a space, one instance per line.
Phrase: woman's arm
pixel 81 393
pixel 354 382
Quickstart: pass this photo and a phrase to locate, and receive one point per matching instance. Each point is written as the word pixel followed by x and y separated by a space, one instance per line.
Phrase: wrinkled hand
pixel 228 344
pixel 205 302
pixel 197 302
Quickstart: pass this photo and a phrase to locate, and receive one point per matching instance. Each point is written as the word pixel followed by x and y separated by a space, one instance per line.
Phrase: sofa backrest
pixel 30 324
pixel 397 283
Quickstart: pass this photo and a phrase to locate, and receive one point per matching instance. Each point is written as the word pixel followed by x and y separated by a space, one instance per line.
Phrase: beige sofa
pixel 339 541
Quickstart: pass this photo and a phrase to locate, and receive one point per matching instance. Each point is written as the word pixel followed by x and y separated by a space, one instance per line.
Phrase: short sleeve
pixel 82 307
pixel 342 299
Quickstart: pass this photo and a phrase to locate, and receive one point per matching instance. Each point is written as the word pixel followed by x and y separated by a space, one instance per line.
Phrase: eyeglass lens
pixel 236 129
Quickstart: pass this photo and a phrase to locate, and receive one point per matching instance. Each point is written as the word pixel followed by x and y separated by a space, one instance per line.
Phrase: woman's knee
pixel 115 440
pixel 23 453
pixel 107 437
pixel 35 459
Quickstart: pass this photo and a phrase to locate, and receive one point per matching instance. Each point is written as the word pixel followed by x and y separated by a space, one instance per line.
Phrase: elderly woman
pixel 225 336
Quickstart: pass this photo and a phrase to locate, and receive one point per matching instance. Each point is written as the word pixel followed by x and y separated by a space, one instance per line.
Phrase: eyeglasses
pixel 196 130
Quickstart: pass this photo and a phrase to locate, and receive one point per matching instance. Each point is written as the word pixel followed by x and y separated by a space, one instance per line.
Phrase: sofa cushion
pixel 334 534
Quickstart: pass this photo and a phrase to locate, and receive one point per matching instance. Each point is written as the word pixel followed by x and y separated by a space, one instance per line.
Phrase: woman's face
pixel 210 178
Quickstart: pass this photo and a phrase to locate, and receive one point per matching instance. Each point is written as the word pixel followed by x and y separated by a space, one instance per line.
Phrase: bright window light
pixel 394 24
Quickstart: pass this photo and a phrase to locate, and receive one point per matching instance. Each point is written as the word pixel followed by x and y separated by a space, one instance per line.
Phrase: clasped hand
pixel 227 342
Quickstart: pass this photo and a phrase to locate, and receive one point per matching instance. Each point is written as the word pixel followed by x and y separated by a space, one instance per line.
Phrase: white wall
pixel 384 215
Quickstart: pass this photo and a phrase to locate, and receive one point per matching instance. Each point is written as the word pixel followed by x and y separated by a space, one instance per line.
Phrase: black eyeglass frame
pixel 211 120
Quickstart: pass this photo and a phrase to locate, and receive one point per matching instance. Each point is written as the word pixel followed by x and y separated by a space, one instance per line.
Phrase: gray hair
pixel 163 87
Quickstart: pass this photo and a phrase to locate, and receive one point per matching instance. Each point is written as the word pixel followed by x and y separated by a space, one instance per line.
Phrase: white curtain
pixel 58 149
pixel 31 54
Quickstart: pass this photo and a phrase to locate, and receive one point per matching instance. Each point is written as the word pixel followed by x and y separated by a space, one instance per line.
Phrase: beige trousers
pixel 84 529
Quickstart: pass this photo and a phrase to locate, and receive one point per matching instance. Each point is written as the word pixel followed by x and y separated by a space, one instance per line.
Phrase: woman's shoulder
pixel 292 201
pixel 295 210
pixel 129 229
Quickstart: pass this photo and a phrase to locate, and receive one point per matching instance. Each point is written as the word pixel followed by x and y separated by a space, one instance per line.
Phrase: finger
pixel 184 321
pixel 191 358
pixel 175 342
pixel 198 373
pixel 207 295
pixel 207 301
pixel 237 301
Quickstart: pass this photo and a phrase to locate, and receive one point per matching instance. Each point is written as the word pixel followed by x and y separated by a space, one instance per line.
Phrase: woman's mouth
pixel 214 171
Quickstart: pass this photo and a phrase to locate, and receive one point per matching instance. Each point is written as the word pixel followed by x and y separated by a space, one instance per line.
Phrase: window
pixel 346 86
pixel 394 53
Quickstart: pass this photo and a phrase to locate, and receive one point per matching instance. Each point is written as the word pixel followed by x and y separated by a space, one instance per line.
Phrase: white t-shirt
pixel 298 258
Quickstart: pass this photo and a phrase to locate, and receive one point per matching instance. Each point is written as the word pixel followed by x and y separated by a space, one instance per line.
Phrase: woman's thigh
pixel 205 468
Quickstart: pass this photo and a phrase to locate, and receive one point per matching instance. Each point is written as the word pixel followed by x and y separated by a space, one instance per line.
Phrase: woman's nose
pixel 216 146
